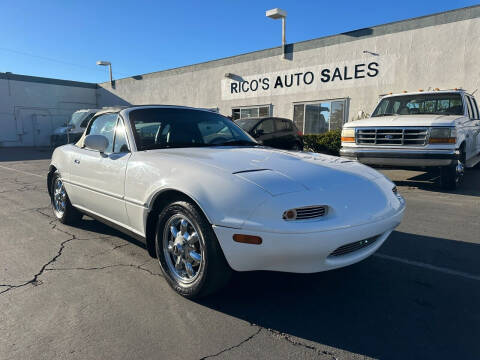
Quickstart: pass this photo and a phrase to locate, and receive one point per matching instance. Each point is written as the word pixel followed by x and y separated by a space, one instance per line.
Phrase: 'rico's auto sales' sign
pixel 315 78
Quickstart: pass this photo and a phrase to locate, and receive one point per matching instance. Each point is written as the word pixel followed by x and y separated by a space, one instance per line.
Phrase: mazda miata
pixel 207 199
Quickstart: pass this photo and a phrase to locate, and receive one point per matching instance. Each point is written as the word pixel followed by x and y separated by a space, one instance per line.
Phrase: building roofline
pixel 43 80
pixel 440 18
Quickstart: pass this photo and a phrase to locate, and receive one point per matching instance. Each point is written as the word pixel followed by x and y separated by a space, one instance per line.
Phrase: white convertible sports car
pixel 206 198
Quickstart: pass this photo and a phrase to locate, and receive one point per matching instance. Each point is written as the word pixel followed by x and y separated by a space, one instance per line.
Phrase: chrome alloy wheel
pixel 59 198
pixel 183 248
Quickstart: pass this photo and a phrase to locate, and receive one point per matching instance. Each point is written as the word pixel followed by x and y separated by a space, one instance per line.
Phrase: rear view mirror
pixel 96 142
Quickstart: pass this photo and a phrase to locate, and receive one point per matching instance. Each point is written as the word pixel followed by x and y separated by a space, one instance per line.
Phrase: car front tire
pixel 62 207
pixel 188 251
pixel 451 176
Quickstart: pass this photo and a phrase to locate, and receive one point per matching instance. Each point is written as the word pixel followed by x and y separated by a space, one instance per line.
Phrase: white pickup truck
pixel 434 129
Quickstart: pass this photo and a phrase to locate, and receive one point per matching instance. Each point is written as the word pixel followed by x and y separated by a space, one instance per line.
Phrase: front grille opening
pixel 311 212
pixel 354 246
pixel 305 213
pixel 392 136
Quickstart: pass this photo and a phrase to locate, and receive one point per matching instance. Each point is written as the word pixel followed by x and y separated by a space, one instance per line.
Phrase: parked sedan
pixel 205 198
pixel 272 131
pixel 73 130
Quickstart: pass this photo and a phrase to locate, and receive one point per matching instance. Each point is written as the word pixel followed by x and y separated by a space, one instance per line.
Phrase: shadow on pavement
pixel 430 181
pixel 24 153
pixel 379 308
pixel 89 224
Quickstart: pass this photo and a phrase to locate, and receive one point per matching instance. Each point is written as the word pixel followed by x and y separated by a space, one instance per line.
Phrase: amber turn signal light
pixel 442 140
pixel 247 239
pixel 348 139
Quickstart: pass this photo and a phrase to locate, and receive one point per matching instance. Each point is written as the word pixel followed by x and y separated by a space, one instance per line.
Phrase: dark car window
pixel 86 120
pixel 267 126
pixel 475 107
pixel 284 125
pixel 104 125
pixel 247 124
pixel 156 128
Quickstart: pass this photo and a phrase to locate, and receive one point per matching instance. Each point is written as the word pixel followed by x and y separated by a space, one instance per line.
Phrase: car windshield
pixel 77 117
pixel 247 124
pixel 439 104
pixel 157 128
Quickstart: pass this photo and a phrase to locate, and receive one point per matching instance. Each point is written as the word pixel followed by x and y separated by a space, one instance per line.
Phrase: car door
pixel 98 179
pixel 285 135
pixel 265 131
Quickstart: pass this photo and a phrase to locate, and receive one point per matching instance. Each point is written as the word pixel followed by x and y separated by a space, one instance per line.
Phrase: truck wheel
pixel 451 176
pixel 188 251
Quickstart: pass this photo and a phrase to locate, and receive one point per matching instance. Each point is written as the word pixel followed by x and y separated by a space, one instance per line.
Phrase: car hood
pixel 277 171
pixel 406 120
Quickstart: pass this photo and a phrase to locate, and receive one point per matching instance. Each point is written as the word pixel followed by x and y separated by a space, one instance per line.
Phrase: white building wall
pixel 441 50
pixel 31 107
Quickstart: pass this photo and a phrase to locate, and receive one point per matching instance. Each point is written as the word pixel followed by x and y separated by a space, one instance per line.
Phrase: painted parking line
pixel 23 172
pixel 429 266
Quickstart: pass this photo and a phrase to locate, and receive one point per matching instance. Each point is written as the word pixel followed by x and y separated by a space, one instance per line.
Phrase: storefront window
pixel 251 111
pixel 319 117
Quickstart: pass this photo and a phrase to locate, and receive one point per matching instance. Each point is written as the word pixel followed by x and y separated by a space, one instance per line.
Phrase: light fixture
pixel 109 64
pixel 279 14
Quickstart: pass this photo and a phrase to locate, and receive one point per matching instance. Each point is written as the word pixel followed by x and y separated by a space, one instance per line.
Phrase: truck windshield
pixel 439 104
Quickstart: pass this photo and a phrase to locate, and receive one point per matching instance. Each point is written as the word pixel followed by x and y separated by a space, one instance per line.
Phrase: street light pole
pixel 109 64
pixel 280 14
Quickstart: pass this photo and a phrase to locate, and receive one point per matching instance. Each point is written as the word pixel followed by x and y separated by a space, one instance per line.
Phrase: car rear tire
pixel 62 207
pixel 188 251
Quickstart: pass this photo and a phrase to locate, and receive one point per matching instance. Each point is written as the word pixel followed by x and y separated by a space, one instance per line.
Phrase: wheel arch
pixel 463 150
pixel 51 171
pixel 157 204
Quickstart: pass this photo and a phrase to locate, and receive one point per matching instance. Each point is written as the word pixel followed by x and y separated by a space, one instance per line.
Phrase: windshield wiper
pixel 236 143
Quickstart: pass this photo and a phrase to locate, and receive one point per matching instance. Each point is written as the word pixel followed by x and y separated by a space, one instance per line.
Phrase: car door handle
pixel 76 161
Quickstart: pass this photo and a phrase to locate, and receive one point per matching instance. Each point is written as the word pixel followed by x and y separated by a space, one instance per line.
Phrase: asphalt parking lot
pixel 90 292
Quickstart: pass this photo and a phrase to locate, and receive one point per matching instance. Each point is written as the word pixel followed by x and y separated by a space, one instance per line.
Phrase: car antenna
pixel 474 92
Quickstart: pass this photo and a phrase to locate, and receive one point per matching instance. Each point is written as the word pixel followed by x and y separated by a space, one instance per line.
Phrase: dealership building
pixel 319 83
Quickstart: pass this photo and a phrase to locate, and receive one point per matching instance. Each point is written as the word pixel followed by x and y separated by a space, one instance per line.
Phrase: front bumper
pixel 400 157
pixel 306 252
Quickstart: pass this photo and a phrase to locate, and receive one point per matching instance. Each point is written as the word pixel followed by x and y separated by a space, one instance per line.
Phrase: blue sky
pixel 64 38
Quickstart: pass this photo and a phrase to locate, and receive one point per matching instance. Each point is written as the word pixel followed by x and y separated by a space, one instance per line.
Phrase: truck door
pixel 473 128
pixel 476 127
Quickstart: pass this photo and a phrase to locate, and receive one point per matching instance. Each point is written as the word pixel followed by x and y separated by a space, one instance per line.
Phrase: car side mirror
pixel 96 142
pixel 258 132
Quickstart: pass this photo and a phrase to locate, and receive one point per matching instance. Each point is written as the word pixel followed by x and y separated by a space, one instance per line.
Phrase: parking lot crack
pixel 93 268
pixel 35 280
pixel 234 346
pixel 295 342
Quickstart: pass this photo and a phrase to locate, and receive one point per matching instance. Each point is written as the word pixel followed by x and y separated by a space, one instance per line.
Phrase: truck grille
pixel 392 136
pixel 357 245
